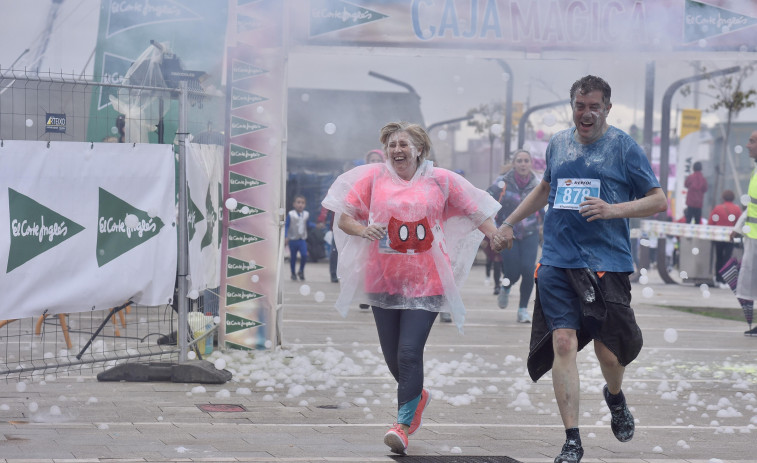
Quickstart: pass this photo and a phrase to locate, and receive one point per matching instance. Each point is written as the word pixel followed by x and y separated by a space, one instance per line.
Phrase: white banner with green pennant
pixel 204 175
pixel 85 226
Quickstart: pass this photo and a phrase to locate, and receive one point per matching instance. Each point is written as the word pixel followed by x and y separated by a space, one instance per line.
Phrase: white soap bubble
pixel 305 97
pixel 320 296
pixel 670 335
pixel 254 278
pixel 131 221
pixel 738 149
pixel 193 294
pixel 216 319
pixel 260 109
pixel 744 199
pixel 647 292
pixel 706 294
pixel 643 279
pixel 549 120
pixel 695 251
pixel 505 282
pixel 151 212
pixel 642 271
pixel 231 204
pixel 704 287
pixel 746 229
pixel 684 275
pixel 245 210
pixel 501 184
pixel 20 386
pixel 460 90
pixel 329 128
pixel 305 290
pixel 33 407
pixel 191 355
pixel 505 77
pixel 441 135
pixel 220 364
pixel 702 43
pixel 29 122
pixel 281 211
pixel 496 129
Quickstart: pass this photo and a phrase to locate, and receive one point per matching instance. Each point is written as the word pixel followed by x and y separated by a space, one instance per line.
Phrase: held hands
pixel 594 208
pixel 502 239
pixel 373 232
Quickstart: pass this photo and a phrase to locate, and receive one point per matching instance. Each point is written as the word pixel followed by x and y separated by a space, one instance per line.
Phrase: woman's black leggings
pixel 402 335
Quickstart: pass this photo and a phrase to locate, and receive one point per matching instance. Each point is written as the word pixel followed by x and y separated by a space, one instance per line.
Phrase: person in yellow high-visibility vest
pixel 746 287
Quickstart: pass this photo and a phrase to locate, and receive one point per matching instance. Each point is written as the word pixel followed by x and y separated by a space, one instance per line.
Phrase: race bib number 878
pixel 572 191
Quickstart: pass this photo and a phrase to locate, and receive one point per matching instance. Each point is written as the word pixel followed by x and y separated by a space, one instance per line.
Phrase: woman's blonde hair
pixel 417 134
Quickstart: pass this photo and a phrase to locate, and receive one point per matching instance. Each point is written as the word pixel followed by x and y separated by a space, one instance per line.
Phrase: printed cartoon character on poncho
pixel 409 237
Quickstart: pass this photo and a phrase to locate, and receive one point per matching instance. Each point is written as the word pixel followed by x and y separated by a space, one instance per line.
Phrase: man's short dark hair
pixel 588 84
pixel 728 196
pixel 697 166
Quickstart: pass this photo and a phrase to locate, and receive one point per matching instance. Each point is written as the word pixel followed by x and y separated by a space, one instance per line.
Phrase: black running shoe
pixel 622 421
pixel 752 332
pixel 572 452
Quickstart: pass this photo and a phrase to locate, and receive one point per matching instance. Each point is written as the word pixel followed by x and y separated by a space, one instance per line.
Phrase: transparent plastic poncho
pixel 432 239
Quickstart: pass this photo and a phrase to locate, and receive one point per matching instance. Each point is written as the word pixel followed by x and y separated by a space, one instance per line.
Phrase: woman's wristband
pixel 505 222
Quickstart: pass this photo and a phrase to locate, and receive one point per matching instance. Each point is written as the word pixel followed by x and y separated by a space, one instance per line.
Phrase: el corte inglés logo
pixel 115 234
pixel 34 229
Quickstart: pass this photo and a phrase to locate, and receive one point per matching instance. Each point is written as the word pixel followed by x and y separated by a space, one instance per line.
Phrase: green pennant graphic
pixel 239 154
pixel 333 15
pixel 194 215
pixel 240 98
pixel 238 238
pixel 242 211
pixel 34 229
pixel 236 323
pixel 130 14
pixel 234 345
pixel 211 220
pixel 242 126
pixel 241 70
pixel 236 267
pixel 239 182
pixel 702 21
pixel 247 23
pixel 236 295
pixel 114 237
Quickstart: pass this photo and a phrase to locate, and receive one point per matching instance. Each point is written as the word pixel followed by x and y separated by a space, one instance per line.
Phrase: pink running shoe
pixel 396 439
pixel 418 417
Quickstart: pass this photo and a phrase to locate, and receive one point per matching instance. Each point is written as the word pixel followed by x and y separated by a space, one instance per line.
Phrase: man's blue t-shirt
pixel 617 166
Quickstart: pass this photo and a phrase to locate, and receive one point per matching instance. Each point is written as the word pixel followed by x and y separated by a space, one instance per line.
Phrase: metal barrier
pixel 57 107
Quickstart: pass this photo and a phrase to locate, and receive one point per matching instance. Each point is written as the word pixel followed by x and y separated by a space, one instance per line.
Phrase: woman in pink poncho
pixel 407 235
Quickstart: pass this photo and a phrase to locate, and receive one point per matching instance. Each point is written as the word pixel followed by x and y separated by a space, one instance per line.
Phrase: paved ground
pixel 691 390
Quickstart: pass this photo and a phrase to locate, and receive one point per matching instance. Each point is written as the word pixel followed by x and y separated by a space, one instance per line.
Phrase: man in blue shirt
pixel 597 177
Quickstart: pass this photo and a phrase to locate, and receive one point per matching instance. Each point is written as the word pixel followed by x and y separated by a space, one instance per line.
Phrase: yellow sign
pixel 691 121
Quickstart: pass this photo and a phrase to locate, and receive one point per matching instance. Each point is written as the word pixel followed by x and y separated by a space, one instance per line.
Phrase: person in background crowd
pixel 696 186
pixel 596 178
pixel 746 286
pixel 493 265
pixel 326 220
pixel 519 261
pixel 724 214
pixel 296 234
pixel 407 235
